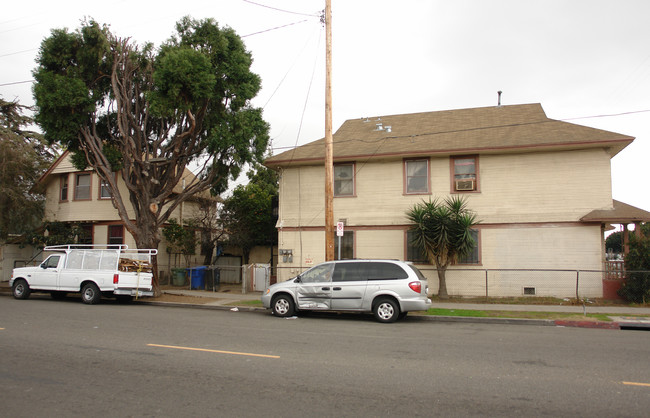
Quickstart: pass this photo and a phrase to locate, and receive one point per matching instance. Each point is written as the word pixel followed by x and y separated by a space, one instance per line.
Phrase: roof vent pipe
pixel 499 102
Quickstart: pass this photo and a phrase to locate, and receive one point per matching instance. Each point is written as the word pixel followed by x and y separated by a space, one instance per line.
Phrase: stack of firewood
pixel 130 265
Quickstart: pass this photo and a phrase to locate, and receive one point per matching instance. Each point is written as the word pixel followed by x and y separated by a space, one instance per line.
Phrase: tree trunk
pixel 442 283
pixel 146 239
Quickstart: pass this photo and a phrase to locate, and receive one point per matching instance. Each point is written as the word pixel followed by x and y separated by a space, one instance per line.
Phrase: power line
pixel 17 82
pixel 279 10
pixel 271 29
pixel 19 52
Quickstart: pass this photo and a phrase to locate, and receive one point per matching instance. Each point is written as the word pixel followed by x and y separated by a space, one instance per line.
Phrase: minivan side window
pixel 318 274
pixel 349 272
pixel 385 271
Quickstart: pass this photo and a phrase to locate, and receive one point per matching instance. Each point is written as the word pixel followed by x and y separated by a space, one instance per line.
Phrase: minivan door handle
pixel 337 288
pixel 325 288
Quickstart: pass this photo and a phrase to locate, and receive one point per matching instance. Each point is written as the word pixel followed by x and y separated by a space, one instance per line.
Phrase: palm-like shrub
pixel 442 230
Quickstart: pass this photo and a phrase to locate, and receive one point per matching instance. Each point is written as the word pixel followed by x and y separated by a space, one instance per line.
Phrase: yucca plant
pixel 442 230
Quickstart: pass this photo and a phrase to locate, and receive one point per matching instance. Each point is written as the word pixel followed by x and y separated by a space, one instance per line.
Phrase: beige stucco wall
pixel 529 205
pixel 527 187
pixel 536 248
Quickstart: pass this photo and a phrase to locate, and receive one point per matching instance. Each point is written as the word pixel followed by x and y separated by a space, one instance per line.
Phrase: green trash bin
pixel 178 277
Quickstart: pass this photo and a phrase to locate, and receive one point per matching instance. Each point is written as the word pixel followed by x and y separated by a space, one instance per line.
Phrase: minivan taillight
pixel 416 286
pixel 116 278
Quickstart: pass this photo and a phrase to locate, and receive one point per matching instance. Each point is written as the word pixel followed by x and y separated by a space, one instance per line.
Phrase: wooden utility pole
pixel 329 140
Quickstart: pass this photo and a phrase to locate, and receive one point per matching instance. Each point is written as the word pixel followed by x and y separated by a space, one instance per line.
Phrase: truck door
pixel 314 291
pixel 47 277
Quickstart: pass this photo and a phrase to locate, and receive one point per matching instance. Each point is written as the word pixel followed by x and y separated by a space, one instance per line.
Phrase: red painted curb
pixel 588 324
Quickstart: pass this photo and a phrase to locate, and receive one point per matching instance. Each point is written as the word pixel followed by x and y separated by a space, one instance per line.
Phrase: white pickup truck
pixel 93 270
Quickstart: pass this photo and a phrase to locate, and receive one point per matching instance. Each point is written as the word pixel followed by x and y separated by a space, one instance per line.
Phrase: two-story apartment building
pixel 73 196
pixel 532 181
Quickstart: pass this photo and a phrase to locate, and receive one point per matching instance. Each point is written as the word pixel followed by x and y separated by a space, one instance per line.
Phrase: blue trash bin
pixel 197 275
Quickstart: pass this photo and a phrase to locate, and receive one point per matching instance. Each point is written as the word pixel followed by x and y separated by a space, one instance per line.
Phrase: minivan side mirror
pixel 297 279
pixel 43 266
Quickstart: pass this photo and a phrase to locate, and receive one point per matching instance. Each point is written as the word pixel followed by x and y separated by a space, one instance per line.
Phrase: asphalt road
pixel 63 358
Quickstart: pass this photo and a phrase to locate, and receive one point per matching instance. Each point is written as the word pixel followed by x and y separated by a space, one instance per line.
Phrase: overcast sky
pixel 585 61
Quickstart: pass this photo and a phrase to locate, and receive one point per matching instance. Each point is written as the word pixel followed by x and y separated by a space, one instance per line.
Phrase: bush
pixel 636 287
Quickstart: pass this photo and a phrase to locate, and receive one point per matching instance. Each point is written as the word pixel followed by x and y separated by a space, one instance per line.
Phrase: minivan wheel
pixel 386 310
pixel 282 306
pixel 20 289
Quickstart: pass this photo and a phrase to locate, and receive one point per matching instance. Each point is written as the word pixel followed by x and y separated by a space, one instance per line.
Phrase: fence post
pixel 486 285
pixel 577 283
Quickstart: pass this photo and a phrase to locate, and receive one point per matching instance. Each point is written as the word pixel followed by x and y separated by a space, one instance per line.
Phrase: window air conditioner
pixel 463 185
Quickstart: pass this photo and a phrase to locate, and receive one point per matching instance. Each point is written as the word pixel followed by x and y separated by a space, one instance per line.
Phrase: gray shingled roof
pixel 486 130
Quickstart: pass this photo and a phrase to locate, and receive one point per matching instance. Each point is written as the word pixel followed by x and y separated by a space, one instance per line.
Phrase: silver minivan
pixel 387 288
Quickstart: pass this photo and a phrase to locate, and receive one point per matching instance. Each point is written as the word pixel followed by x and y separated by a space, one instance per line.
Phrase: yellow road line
pixel 212 351
pixel 636 384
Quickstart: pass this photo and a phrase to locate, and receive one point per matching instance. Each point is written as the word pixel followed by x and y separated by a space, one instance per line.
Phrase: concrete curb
pixel 428 318
pixel 480 320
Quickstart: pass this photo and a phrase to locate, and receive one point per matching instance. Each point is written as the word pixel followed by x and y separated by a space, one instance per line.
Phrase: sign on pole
pixel 339 229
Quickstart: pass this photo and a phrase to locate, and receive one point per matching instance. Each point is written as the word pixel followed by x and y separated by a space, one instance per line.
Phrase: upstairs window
pixel 417 176
pixel 82 186
pixel 104 191
pixel 465 170
pixel 64 188
pixel 344 180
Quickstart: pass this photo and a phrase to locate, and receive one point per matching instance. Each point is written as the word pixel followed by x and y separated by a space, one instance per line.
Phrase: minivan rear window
pixel 385 271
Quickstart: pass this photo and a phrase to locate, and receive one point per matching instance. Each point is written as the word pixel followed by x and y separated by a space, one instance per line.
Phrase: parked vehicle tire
pixel 58 295
pixel 282 306
pixel 90 294
pixel 386 310
pixel 21 289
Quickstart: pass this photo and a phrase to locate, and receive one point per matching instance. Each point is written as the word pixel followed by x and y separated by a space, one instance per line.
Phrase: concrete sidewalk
pixel 232 294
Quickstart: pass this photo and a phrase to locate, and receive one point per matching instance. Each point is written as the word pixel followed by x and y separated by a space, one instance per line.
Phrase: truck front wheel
pixel 21 289
pixel 90 294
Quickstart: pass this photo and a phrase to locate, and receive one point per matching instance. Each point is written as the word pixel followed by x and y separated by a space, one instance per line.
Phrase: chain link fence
pixel 501 283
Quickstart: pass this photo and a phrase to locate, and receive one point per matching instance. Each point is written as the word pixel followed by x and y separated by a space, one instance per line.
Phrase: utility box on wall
pixel 287 255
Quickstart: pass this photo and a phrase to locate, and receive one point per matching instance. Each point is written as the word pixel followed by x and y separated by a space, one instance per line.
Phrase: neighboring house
pixel 541 189
pixel 80 197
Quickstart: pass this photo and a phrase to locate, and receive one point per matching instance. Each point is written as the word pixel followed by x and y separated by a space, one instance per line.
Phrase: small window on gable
pixel 465 170
pixel 64 187
pixel 417 176
pixel 344 180
pixel 82 186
